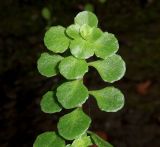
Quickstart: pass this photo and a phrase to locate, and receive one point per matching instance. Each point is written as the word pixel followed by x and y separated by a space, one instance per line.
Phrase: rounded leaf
pixel 111 69
pixel 82 49
pixel 73 125
pixel 86 17
pixel 73 68
pixel 49 103
pixel 109 99
pixel 72 94
pixel 56 40
pixel 106 45
pixel 73 31
pixel 48 64
pixel 49 139
pixel 99 141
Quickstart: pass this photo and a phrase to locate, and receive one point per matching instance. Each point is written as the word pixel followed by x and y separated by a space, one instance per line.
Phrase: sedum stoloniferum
pixel 82 40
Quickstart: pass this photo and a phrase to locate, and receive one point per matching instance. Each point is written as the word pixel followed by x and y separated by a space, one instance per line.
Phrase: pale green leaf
pixel 73 125
pixel 85 31
pixel 99 141
pixel 82 141
pixel 56 40
pixel 49 139
pixel 106 45
pixel 91 34
pixel 82 49
pixel 72 94
pixel 73 31
pixel 109 99
pixel 73 68
pixel 48 64
pixel 111 69
pixel 49 103
pixel 86 17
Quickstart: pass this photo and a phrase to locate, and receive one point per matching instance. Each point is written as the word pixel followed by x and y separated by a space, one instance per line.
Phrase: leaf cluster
pixel 83 39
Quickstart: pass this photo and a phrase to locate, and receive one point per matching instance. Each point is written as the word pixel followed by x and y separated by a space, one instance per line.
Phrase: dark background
pixel 136 24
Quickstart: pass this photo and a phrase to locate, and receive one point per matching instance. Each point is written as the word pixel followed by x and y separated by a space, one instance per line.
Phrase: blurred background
pixel 136 24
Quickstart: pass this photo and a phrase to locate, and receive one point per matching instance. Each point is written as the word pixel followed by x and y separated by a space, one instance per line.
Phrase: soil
pixel 136 24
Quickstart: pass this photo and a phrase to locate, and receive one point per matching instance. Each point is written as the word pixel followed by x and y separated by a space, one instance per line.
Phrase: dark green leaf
pixel 46 13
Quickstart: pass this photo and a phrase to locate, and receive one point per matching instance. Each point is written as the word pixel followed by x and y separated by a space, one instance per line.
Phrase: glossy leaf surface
pixel 73 68
pixel 48 64
pixel 72 94
pixel 56 40
pixel 49 139
pixel 73 125
pixel 111 69
pixel 49 103
pixel 109 99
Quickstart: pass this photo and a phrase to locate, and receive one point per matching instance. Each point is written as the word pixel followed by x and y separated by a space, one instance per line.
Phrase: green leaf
pixel 73 125
pixel 48 64
pixel 109 99
pixel 99 141
pixel 86 17
pixel 72 94
pixel 82 141
pixel 73 31
pixel 49 103
pixel 56 40
pixel 73 68
pixel 90 33
pixel 111 69
pixel 46 13
pixel 49 139
pixel 85 31
pixel 81 48
pixel 106 45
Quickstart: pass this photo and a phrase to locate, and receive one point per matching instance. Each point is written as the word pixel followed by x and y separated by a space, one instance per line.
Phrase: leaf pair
pixel 70 67
pixel 73 94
